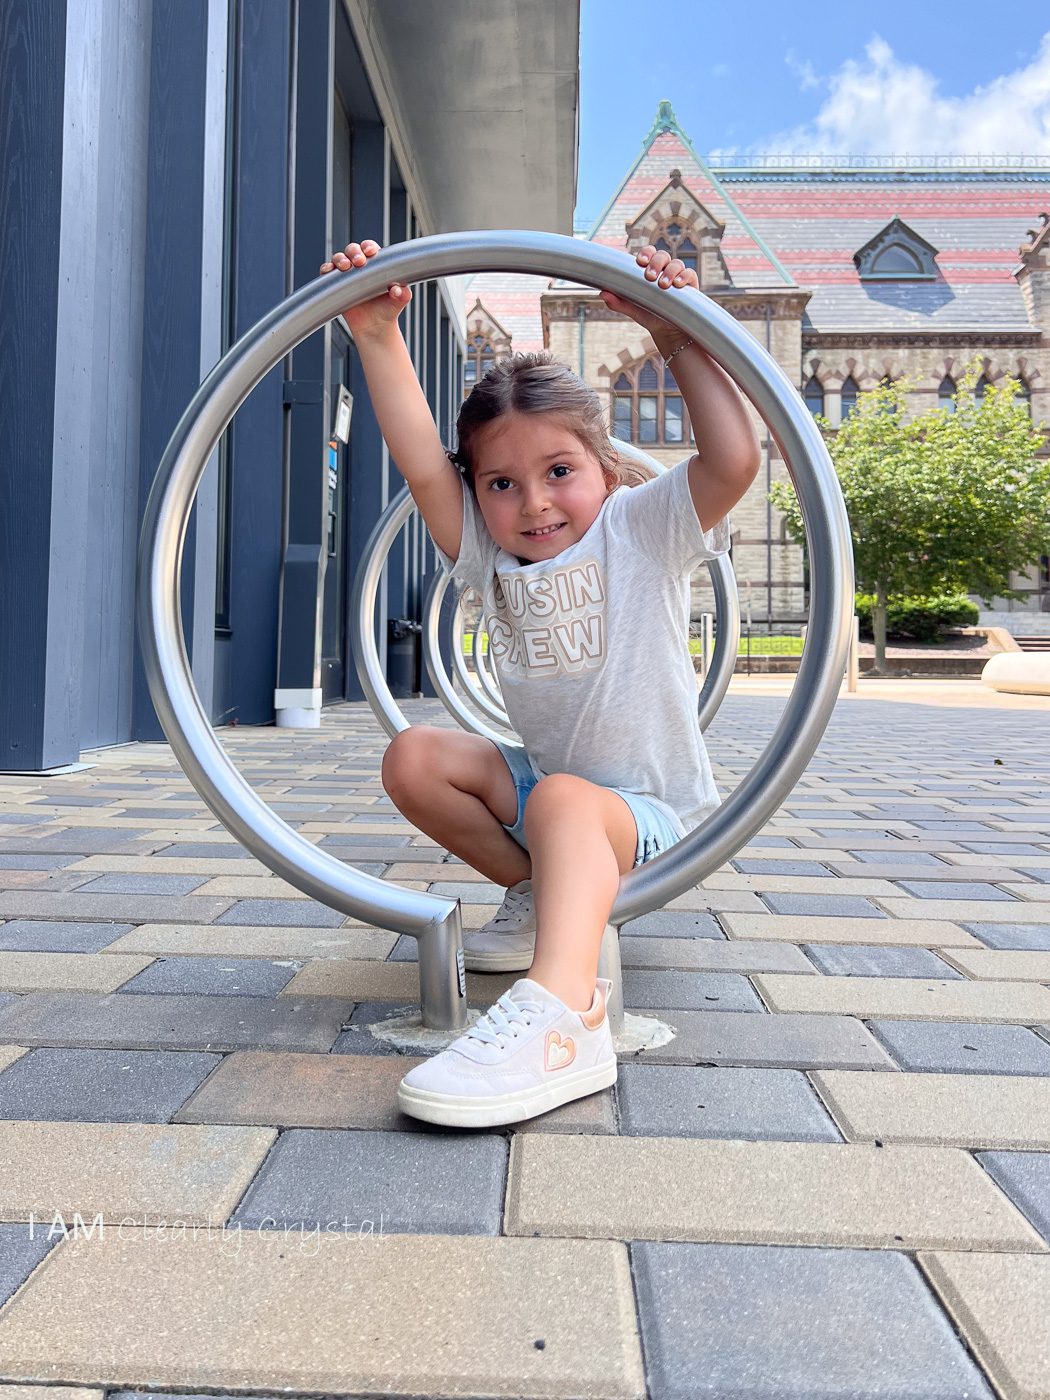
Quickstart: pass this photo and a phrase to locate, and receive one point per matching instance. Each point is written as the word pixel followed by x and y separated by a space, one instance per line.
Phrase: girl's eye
pixel 562 467
pixel 498 483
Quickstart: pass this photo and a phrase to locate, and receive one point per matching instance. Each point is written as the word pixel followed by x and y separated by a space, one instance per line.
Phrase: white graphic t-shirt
pixel 592 646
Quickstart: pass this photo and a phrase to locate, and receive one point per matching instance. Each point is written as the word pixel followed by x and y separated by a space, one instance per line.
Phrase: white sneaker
pixel 526 1055
pixel 507 942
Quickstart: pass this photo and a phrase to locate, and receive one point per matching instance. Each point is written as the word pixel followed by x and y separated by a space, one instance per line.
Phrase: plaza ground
pixel 834 1180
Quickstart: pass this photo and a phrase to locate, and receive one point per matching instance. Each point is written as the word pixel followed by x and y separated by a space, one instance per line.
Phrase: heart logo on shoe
pixel 559 1053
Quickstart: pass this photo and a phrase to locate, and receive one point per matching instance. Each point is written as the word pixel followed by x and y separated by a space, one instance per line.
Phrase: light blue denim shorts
pixel 655 832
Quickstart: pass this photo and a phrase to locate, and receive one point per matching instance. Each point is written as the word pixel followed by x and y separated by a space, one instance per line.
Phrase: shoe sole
pixel 496 962
pixel 463 1111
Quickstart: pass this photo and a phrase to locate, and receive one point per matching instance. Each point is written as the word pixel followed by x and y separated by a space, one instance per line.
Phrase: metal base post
pixel 442 977
pixel 609 966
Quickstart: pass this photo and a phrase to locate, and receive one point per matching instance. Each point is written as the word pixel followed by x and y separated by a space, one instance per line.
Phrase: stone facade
pixel 841 276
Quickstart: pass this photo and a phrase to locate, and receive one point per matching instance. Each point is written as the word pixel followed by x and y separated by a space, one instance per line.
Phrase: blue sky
pixel 758 77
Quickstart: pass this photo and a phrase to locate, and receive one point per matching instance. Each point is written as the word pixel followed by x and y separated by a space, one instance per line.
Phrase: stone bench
pixel 1019 672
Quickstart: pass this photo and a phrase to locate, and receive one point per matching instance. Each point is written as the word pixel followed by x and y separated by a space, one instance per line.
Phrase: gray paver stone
pixel 839 1324
pixel 1025 1177
pixel 101 1086
pixel 62 936
pixel 744 1104
pixel 963 1047
pixel 274 913
pixel 905 857
pixel 953 889
pixel 779 867
pixel 706 991
pixel 20 1253
pixel 784 1041
pixel 856 960
pixel 823 905
pixel 216 976
pixel 1027 937
pixel 406 1182
pixel 164 1022
pixel 144 884
pixel 673 923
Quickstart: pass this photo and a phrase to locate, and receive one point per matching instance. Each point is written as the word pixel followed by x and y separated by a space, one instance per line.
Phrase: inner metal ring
pixel 318 873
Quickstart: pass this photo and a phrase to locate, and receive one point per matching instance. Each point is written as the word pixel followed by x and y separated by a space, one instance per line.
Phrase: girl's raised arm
pixel 400 406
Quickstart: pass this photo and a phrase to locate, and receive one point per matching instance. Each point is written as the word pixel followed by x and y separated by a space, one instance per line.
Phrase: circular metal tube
pixel 478 683
pixel 483 666
pixel 440 679
pixel 167 668
pixel 727 621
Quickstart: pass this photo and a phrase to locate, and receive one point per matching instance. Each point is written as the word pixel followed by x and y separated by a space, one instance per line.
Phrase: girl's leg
pixel 458 789
pixel 582 837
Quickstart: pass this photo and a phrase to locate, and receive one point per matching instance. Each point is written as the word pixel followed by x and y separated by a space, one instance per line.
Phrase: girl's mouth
pixel 543 533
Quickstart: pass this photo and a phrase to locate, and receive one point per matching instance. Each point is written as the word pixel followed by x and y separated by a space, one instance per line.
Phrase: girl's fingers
pixel 644 254
pixel 674 268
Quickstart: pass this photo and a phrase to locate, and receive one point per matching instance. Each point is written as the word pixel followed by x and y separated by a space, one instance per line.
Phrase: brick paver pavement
pixel 834 1180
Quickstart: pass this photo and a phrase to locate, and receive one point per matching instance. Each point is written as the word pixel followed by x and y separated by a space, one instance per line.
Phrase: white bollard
pixel 707 643
pixel 853 658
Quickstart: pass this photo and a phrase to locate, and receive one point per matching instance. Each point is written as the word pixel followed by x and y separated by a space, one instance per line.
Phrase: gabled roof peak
pixel 665 120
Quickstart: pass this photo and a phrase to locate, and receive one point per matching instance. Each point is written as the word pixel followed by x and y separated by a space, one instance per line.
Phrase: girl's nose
pixel 533 500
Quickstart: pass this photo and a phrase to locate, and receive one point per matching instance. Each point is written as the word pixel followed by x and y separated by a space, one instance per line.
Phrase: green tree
pixel 951 499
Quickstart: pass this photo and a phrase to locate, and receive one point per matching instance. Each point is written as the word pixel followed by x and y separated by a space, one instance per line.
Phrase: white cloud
pixel 802 69
pixel 881 106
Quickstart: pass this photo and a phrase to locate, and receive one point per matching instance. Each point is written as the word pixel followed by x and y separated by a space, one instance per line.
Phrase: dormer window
pixel 674 239
pixel 896 254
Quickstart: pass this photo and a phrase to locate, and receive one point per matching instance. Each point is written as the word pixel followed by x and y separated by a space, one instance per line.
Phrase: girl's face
pixel 538 488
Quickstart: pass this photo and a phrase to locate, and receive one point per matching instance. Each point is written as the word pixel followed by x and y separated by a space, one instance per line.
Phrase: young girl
pixel 586 597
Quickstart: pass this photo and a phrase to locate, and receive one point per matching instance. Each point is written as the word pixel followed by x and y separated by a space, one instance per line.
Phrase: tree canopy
pixel 952 498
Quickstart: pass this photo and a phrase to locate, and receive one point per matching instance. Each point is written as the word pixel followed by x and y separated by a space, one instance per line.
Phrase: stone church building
pixel 846 275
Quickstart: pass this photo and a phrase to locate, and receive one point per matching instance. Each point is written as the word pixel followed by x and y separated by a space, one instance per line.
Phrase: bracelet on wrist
pixel 677 350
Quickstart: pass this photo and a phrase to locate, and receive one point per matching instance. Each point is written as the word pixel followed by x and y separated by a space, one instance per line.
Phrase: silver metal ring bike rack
pixel 435 921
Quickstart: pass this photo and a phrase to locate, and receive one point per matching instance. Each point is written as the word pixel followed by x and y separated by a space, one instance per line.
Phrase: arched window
pixel 946 393
pixel 622 397
pixel 647 406
pixel 480 358
pixel 896 261
pixel 849 397
pixel 673 238
pixel 1024 393
pixel 813 394
pixel 982 384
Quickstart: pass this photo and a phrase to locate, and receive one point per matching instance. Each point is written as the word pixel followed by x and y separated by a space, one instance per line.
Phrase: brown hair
pixel 534 382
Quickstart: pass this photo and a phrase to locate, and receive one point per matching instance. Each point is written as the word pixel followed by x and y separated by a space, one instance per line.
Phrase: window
pixel 946 393
pixel 813 394
pixel 1024 394
pixel 647 406
pixel 674 239
pixel 982 384
pixel 849 397
pixel 897 254
pixel 479 359
pixel 896 261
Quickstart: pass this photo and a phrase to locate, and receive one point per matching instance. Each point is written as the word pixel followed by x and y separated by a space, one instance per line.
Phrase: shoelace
pixel 512 908
pixel 499 1021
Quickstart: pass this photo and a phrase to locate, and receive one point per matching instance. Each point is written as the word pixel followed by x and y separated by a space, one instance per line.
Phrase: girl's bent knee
pixel 406 760
pixel 554 793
